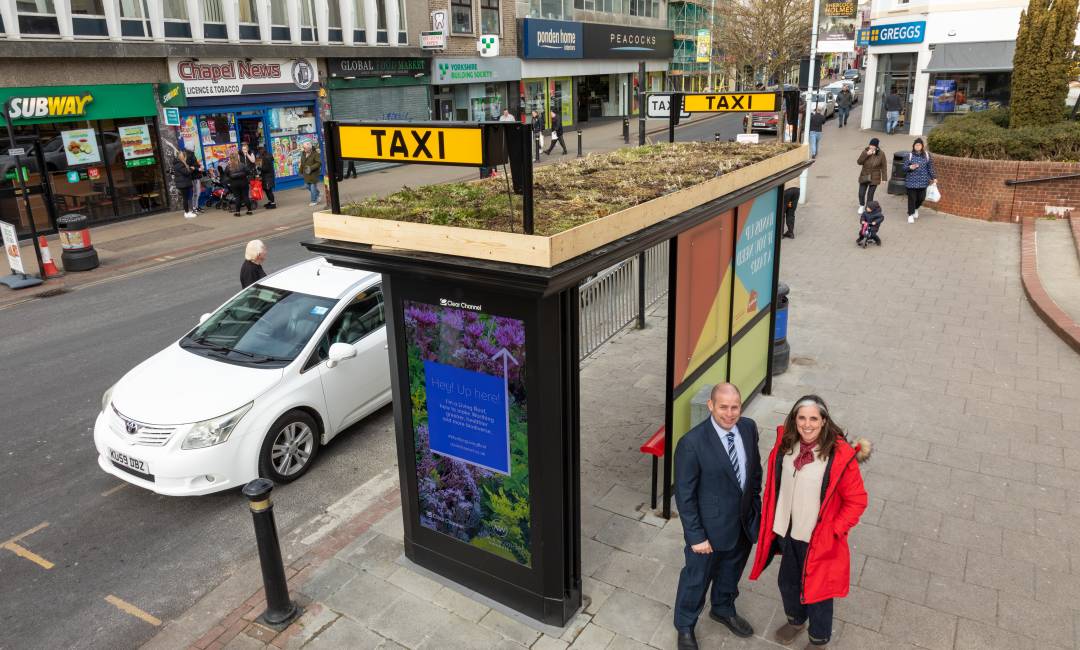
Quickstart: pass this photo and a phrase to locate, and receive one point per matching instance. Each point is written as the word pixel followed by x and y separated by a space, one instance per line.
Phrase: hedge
pixel 985 134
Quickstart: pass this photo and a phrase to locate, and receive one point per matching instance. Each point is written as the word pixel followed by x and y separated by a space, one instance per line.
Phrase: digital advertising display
pixel 470 425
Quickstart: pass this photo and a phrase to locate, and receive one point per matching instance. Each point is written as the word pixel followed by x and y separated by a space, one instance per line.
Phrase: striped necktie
pixel 734 456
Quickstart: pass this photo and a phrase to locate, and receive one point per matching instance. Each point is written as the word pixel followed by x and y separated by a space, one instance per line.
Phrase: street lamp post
pixel 712 45
pixel 805 175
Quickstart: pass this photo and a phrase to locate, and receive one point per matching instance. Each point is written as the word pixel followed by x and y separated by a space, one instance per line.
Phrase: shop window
pixel 176 19
pixel 489 17
pixel 248 17
pixel 135 166
pixel 134 19
pixel 462 21
pixel 88 18
pixel 279 21
pixel 359 27
pixel 37 17
pixel 214 20
pixel 290 128
pixel 87 8
pixel 176 10
pixel 333 21
pixel 308 32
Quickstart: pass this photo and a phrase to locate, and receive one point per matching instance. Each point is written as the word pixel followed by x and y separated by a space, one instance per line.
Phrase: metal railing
pixel 611 300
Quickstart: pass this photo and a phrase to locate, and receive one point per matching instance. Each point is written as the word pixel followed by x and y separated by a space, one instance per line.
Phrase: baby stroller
pixel 869 224
pixel 220 196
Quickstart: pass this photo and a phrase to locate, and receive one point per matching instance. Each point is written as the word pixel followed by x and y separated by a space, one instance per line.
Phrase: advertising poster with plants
pixel 470 422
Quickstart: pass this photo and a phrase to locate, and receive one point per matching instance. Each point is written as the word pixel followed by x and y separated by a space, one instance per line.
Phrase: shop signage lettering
pixel 464 70
pixel 624 42
pixel 222 77
pixel 377 67
pixel 731 102
pixel 898 34
pixel 551 39
pixel 25 108
pixel 442 145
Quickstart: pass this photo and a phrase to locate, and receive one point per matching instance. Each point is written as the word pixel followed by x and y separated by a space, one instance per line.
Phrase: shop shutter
pixel 410 103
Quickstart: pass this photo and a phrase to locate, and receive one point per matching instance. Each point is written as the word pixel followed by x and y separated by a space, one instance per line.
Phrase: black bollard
pixel 280 610
pixel 536 139
pixel 579 143
pixel 716 136
pixel 626 130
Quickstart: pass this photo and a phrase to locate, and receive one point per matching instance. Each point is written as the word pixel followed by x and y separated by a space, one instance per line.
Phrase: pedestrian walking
pixel 251 271
pixel 920 175
pixel 265 166
pixel 813 496
pixel 874 171
pixel 893 106
pixel 843 106
pixel 538 129
pixel 556 134
pixel 869 223
pixel 182 172
pixel 350 171
pixel 237 174
pixel 791 204
pixel 311 170
pixel 817 122
pixel 718 492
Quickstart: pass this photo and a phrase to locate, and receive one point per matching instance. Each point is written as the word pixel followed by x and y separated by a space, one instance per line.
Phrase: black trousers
pixel 820 615
pixel 866 192
pixel 186 193
pixel 719 570
pixel 241 194
pixel 789 218
pixel 268 189
pixel 915 198
pixel 557 140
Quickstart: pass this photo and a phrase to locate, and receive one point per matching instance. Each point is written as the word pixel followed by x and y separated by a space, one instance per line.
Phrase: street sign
pixel 658 106
pixel 17 151
pixel 451 145
pixel 11 247
pixel 731 102
pixel 172 116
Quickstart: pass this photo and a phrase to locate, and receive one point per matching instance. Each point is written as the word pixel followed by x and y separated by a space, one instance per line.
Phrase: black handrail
pixel 1022 181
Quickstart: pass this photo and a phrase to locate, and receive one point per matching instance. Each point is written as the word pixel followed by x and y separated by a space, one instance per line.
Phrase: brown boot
pixel 787 632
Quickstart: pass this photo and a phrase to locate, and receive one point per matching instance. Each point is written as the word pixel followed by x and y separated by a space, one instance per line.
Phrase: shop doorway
pixel 251 131
pixel 894 71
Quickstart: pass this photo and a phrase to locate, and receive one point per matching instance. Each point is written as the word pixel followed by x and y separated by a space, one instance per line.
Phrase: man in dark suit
pixel 718 492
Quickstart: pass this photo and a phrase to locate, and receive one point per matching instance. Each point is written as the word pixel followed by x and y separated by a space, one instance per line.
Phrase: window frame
pixel 453 22
pixel 318 353
pixel 498 16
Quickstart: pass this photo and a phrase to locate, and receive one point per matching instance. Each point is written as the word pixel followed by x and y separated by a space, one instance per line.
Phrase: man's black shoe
pixel 789 235
pixel 687 641
pixel 738 625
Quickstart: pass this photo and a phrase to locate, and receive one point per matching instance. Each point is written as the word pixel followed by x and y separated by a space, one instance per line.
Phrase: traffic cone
pixel 50 270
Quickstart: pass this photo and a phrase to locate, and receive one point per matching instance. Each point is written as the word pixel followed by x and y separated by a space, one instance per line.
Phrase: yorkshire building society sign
pixel 469 70
pixel 222 77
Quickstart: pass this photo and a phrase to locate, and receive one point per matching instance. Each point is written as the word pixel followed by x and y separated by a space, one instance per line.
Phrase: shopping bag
pixel 256 190
pixel 933 194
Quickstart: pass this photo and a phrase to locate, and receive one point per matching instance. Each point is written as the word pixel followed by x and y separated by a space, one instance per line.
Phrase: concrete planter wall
pixel 976 188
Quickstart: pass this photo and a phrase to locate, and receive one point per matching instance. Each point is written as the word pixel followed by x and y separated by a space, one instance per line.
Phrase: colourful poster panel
pixel 703 294
pixel 681 418
pixel 750 358
pixel 469 415
pixel 754 253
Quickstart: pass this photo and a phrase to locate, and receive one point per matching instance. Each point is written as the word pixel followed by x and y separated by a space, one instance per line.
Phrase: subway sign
pixel 731 102
pixel 26 108
pixel 897 34
pixel 413 143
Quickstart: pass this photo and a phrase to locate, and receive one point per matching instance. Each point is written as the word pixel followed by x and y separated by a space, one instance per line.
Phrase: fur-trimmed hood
pixel 863 448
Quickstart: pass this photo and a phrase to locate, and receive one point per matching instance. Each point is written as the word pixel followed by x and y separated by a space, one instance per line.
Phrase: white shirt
pixel 740 452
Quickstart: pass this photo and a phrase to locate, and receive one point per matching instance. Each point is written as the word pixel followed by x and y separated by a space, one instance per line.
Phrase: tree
pixel 1042 62
pixel 768 36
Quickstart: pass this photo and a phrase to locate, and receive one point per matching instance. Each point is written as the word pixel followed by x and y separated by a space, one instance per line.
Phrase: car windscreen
pixel 261 326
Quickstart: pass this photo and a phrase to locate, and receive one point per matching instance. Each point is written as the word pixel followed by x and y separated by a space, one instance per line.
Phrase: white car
pixel 255 388
pixel 823 100
pixel 836 86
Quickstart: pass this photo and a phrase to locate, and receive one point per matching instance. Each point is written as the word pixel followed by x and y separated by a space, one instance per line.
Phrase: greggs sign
pixel 26 108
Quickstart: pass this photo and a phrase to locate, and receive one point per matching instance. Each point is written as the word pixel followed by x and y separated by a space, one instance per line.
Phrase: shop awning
pixel 986 56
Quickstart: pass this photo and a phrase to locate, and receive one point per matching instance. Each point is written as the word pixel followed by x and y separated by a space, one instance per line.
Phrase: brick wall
pixel 465 45
pixel 976 188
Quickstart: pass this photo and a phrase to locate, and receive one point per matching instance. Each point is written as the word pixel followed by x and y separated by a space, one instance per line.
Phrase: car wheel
pixel 290 447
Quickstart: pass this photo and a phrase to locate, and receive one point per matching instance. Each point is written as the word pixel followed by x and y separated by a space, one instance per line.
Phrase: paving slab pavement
pixel 925 345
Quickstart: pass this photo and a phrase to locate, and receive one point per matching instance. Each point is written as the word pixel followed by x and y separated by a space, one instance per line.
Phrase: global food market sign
pixel 223 77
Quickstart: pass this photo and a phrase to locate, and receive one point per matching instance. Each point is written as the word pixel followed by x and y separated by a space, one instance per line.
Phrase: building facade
pixel 123 85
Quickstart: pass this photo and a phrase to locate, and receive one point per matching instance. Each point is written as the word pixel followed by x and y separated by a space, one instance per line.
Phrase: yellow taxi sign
pixel 731 102
pixel 444 145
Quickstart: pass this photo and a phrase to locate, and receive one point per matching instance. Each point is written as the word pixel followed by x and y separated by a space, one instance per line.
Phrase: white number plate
pixel 120 458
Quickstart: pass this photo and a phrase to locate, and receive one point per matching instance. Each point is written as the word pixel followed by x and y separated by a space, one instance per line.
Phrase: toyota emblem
pixel 130 427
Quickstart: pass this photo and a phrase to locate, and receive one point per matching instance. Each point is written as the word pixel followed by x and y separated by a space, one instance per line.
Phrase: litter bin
pixel 899 173
pixel 79 254
pixel 781 350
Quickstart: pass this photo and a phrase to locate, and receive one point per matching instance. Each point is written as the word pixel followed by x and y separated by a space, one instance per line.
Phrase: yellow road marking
pixel 128 608
pixel 29 555
pixel 112 491
pixel 33 530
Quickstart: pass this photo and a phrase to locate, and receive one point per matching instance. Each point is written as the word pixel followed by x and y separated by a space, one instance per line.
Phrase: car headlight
pixel 106 399
pixel 215 430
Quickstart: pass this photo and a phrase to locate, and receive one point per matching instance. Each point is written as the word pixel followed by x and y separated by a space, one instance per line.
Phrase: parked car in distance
pixel 253 390
pixel 852 74
pixel 821 99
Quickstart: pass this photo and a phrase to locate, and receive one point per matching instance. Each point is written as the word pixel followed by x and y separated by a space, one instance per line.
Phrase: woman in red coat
pixel 813 496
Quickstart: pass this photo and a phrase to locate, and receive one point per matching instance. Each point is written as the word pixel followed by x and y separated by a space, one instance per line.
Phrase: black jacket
pixel 817 120
pixel 181 174
pixel 236 175
pixel 893 102
pixel 844 99
pixel 250 273
pixel 266 171
pixel 711 504
pixel 873 218
pixel 556 126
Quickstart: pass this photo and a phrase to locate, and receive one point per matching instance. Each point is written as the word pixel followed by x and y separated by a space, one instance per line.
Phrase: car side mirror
pixel 204 318
pixel 338 353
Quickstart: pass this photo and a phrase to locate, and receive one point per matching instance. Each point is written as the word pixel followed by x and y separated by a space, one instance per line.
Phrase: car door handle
pixel 386 346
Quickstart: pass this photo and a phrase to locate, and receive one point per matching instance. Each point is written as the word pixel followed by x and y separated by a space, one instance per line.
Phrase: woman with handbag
pixel 236 174
pixel 265 167
pixel 874 171
pixel 920 176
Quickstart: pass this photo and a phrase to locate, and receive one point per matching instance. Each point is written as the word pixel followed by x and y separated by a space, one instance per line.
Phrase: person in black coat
pixel 183 172
pixel 236 175
pixel 556 134
pixel 265 165
pixel 251 271
pixel 718 492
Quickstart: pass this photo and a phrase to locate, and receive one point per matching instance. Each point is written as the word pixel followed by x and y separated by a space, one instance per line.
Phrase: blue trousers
pixel 842 115
pixel 719 570
pixel 815 137
pixel 892 118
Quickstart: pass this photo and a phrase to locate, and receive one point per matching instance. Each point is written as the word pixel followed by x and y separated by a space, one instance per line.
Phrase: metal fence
pixel 610 301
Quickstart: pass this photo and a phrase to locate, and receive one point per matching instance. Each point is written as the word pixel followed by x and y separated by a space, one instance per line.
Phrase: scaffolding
pixel 685 18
